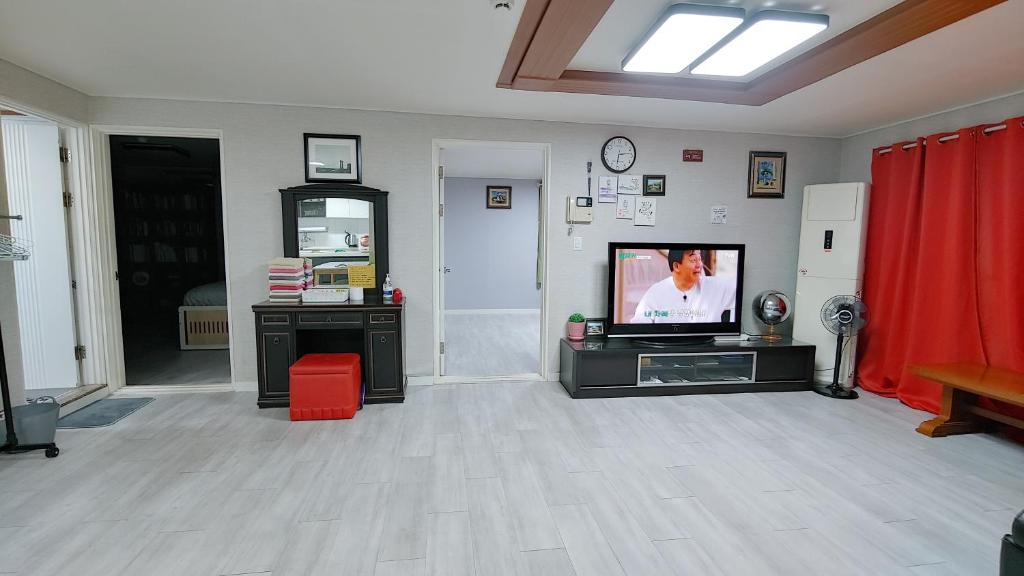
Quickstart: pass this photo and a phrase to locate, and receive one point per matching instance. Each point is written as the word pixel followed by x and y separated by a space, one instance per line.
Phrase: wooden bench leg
pixel 954 417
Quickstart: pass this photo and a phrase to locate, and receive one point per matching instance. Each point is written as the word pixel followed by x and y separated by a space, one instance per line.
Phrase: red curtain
pixel 941 269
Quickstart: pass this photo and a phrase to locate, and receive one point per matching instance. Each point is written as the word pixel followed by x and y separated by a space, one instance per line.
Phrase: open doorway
pixel 490 252
pixel 170 259
pixel 46 352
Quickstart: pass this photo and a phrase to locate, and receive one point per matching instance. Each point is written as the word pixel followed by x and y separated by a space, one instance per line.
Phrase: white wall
pixel 856 150
pixel 492 253
pixel 263 152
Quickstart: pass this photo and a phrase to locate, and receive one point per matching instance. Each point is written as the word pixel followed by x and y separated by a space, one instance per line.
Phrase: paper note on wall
pixel 719 213
pixel 646 210
pixel 624 207
pixel 362 277
pixel 607 187
pixel 630 184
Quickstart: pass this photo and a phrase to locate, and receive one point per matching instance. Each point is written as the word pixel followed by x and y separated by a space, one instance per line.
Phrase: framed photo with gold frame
pixel 766 176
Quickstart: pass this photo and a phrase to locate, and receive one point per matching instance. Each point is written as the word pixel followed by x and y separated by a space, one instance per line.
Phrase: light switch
pixel 577 242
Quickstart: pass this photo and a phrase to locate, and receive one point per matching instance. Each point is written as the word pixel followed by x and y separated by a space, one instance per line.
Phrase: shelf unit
pixel 616 367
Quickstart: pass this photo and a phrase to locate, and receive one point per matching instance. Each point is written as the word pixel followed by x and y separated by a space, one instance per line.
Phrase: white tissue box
pixel 325 294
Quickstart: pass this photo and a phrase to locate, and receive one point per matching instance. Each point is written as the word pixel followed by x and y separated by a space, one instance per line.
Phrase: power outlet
pixel 577 243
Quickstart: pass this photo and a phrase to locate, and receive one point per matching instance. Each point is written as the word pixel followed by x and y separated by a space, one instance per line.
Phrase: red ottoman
pixel 324 386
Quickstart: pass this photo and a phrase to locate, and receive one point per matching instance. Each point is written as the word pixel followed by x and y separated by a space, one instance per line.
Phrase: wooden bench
pixel 962 385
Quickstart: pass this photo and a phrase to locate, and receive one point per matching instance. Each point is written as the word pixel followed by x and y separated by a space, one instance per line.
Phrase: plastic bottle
pixel 389 289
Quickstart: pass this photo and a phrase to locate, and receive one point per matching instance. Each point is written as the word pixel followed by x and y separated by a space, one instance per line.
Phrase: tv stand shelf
pixel 617 367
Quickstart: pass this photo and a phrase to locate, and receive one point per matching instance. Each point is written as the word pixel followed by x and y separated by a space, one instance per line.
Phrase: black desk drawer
pixel 383 318
pixel 275 319
pixel 335 319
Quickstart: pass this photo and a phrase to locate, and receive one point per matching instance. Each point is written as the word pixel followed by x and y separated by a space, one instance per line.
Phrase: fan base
pixel 836 392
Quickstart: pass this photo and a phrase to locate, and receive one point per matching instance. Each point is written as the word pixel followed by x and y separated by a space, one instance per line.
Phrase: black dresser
pixel 372 329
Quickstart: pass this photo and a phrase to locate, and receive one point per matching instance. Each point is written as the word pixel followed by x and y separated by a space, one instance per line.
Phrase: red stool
pixel 324 386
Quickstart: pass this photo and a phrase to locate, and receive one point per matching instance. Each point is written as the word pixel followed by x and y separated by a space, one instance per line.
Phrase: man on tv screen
pixel 687 295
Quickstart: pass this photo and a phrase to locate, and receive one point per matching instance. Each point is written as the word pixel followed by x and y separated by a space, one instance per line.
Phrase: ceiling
pixel 479 162
pixel 442 56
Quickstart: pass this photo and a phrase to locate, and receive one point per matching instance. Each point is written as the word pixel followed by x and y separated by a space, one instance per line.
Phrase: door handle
pixel 447 269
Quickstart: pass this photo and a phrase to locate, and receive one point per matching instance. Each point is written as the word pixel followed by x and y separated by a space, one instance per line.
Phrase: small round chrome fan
pixel 772 308
pixel 843 316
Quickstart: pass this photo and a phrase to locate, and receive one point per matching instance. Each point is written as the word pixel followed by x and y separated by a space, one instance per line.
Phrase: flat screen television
pixel 662 290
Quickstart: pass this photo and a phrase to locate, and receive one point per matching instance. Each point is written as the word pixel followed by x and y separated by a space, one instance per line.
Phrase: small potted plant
pixel 577 326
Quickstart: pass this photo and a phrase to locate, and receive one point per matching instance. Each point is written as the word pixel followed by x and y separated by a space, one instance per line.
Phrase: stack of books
pixel 287 277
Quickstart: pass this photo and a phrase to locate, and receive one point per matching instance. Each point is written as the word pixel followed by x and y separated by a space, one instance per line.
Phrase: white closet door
pixel 43 282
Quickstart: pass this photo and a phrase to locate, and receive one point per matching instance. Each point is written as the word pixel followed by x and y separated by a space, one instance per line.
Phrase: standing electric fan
pixel 842 316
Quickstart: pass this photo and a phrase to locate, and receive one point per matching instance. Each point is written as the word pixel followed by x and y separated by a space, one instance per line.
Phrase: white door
pixel 43 282
pixel 444 268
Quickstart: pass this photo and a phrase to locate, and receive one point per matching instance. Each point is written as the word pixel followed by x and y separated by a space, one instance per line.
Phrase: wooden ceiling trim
pixel 564 28
pixel 530 19
pixel 616 84
pixel 558 28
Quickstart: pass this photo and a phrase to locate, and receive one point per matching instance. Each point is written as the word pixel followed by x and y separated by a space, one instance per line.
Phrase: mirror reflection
pixel 335 233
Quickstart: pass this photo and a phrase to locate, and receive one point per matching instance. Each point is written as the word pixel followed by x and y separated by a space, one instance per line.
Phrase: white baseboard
pixel 246 386
pixel 421 380
pixel 495 311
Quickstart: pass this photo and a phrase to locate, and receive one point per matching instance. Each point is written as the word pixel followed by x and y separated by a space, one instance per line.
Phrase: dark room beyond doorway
pixel 170 257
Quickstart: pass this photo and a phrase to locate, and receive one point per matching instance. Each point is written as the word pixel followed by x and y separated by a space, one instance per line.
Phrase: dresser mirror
pixel 336 226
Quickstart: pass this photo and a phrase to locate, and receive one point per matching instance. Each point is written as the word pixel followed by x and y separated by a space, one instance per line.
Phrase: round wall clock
pixel 618 154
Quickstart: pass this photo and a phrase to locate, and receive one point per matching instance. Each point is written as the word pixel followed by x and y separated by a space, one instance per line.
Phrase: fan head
pixel 772 307
pixel 844 314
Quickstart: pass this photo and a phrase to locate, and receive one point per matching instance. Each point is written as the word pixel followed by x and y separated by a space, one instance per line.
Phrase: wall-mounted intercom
pixel 579 210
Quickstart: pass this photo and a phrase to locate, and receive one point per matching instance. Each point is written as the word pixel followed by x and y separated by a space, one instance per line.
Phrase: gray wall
pixel 492 253
pixel 856 150
pixel 263 152
pixel 42 94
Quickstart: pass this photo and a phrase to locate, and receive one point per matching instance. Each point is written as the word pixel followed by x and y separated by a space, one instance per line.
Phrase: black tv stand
pixel 615 367
pixel 673 341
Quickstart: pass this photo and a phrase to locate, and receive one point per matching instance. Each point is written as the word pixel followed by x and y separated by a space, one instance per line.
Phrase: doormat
pixel 102 413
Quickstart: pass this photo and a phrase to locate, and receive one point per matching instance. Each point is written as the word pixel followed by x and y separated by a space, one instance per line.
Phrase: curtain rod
pixel 945 139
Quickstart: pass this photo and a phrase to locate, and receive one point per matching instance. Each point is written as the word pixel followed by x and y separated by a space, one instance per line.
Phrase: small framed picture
pixel 767 175
pixel 595 328
pixel 333 158
pixel 499 197
pixel 654 185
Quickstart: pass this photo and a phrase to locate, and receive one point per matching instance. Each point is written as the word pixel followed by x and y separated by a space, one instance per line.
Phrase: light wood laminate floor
pixel 513 478
pixel 492 344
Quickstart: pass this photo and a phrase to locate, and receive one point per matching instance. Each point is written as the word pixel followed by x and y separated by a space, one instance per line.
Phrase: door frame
pixel 103 206
pixel 545 148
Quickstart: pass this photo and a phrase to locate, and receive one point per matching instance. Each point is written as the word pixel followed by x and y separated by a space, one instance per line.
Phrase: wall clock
pixel 618 154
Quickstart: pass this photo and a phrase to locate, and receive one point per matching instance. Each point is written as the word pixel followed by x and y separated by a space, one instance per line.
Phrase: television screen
pixel 675 289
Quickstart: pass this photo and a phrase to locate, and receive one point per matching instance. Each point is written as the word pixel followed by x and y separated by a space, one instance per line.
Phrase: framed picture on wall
pixel 654 184
pixel 499 197
pixel 333 158
pixel 766 176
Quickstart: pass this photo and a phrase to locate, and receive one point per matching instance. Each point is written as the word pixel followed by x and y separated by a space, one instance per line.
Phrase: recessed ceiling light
pixel 680 36
pixel 763 38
